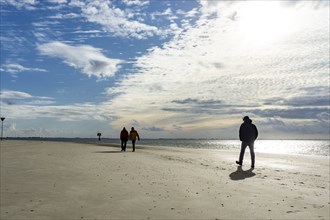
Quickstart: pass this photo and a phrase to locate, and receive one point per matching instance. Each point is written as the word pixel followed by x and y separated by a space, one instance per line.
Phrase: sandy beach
pixel 54 180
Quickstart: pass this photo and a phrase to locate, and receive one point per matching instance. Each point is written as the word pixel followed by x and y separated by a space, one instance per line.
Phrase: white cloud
pixel 40 36
pixel 316 4
pixel 15 68
pixel 58 1
pixel 117 21
pixel 10 97
pixel 88 32
pixel 65 16
pixel 89 59
pixel 8 94
pixel 18 105
pixel 190 14
pixel 11 127
pixel 45 24
pixel 139 3
pixel 64 113
pixel 27 4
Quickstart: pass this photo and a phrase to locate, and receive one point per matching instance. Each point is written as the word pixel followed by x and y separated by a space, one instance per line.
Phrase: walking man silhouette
pixel 124 139
pixel 248 133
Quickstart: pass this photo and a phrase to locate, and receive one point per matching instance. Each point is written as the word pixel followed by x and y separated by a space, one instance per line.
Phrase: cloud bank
pixel 211 75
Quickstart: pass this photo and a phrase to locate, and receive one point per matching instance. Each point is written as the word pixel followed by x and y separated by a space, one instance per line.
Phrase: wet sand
pixel 54 180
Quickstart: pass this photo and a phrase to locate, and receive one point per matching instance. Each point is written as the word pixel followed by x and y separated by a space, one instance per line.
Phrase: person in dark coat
pixel 124 139
pixel 248 133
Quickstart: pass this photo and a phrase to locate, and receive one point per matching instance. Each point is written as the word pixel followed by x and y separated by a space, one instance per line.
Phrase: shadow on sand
pixel 241 174
pixel 108 152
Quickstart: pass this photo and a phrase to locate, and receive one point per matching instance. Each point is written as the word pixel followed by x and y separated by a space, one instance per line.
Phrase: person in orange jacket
pixel 132 136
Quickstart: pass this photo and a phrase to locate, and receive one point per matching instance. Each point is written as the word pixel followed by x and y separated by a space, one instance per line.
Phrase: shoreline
pixel 64 180
pixel 116 143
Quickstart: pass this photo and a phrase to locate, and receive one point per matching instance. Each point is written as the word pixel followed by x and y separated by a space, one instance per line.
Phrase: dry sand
pixel 53 180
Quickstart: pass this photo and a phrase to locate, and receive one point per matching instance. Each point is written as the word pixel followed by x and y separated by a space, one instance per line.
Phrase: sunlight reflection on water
pixel 306 147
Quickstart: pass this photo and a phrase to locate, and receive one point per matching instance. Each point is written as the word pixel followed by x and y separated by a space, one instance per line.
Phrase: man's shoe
pixel 239 163
pixel 252 166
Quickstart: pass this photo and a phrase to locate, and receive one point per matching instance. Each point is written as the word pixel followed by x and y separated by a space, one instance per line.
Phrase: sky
pixel 171 69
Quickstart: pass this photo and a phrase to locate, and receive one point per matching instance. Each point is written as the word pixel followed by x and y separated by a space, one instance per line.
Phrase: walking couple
pixel 133 135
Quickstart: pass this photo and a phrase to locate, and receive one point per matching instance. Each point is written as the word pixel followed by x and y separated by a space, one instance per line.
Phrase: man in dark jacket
pixel 124 139
pixel 248 133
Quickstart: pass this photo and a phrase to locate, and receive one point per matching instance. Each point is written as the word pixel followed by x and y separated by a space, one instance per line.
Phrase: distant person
pixel 248 133
pixel 124 139
pixel 132 136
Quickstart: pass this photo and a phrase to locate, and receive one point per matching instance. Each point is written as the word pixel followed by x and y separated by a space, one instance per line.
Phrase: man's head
pixel 246 118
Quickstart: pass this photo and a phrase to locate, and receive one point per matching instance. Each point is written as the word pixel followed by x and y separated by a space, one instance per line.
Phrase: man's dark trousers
pixel 133 144
pixel 243 147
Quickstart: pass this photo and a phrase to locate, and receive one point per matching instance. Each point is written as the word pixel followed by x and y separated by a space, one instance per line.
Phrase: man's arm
pixel 256 131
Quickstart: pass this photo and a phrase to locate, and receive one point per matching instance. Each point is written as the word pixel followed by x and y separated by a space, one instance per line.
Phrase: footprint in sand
pixel 295 211
pixel 318 206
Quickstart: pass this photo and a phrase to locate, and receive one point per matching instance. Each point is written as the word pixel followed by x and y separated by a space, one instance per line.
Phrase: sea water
pixel 305 147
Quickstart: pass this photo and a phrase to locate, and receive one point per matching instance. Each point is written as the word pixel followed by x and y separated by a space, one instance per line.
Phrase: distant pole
pixel 2 119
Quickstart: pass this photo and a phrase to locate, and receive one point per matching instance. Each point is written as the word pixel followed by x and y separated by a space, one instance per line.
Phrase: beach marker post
pixel 2 119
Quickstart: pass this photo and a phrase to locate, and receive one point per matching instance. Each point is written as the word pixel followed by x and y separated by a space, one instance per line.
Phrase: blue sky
pixel 171 69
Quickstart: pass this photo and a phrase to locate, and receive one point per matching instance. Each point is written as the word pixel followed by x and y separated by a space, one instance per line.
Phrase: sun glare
pixel 263 22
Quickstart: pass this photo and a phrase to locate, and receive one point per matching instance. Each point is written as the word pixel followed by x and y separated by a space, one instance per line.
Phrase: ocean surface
pixel 304 147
